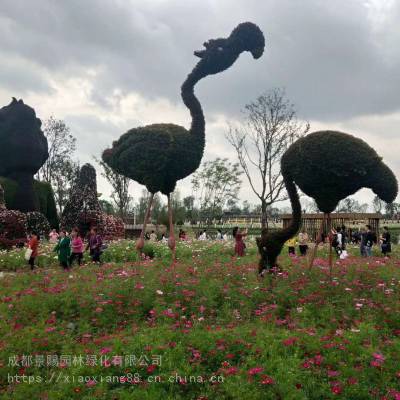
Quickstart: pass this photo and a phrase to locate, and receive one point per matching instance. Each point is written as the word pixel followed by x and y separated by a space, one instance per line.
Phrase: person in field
pixel 291 244
pixel 76 247
pixel 63 249
pixel 33 244
pixel 386 244
pixel 367 241
pixel 53 236
pixel 95 245
pixel 240 245
pixel 153 236
pixel 303 242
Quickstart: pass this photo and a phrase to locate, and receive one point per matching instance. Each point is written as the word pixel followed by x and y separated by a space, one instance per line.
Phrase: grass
pixel 299 335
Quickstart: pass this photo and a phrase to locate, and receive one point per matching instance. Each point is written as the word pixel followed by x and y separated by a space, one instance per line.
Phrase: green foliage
pixel 83 209
pixel 156 156
pixel 44 197
pixel 37 222
pixel 10 188
pixel 329 166
pixel 296 336
pixel 217 182
pixel 47 204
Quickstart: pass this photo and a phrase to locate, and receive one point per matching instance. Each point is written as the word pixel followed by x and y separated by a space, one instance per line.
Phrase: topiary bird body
pixel 159 155
pixel 327 166
pixel 330 166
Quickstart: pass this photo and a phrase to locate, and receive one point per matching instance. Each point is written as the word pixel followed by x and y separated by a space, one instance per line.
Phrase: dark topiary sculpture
pixel 83 208
pixel 2 199
pixel 270 243
pixel 23 150
pixel 159 155
pixel 327 166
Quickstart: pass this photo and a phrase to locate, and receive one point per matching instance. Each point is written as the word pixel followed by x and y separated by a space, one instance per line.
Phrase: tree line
pixel 268 127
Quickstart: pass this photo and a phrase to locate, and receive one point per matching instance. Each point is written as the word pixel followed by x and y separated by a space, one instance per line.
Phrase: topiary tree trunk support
pixel 171 239
pixel 140 241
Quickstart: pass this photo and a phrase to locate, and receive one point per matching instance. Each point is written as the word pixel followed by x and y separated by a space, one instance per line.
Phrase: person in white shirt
pixel 203 236
pixel 153 236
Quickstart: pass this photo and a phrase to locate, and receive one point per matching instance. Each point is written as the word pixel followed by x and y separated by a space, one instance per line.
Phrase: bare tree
pixel 351 205
pixel 120 186
pixel 269 128
pixel 378 204
pixel 60 170
pixel 217 183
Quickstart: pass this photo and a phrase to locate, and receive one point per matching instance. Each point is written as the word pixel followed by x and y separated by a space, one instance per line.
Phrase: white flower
pixel 159 292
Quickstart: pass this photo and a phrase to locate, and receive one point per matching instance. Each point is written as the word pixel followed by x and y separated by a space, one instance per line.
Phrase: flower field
pixel 202 328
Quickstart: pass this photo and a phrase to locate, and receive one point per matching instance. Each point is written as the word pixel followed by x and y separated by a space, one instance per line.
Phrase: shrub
pixel 112 227
pixel 13 227
pixel 37 222
pixel 44 197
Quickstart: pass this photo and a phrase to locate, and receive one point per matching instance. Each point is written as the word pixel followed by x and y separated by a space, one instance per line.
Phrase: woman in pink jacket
pixel 76 247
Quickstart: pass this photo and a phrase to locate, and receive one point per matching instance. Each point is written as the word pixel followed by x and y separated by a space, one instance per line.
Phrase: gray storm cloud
pixel 338 61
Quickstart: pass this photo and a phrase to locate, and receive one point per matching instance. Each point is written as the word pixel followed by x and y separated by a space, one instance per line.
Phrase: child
pixel 34 246
pixel 76 246
pixel 291 243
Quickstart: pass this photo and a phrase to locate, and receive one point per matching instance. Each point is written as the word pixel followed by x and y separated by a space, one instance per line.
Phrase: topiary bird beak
pixel 257 53
pixel 199 53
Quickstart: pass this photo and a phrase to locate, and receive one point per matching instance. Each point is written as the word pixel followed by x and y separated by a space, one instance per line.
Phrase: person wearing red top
pixel 34 246
pixel 76 247
pixel 240 246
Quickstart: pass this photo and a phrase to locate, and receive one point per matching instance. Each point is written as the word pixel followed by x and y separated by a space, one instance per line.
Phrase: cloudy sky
pixel 105 66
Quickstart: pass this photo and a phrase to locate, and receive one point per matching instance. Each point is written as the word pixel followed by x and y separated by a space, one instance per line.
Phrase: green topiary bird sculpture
pixel 159 155
pixel 327 166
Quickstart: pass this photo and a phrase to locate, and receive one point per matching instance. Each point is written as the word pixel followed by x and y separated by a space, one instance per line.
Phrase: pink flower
pixel 105 350
pixel 255 370
pixel 290 341
pixel 266 380
pixel 90 383
pixel 231 371
pixel 139 286
pixel 336 388
pixel 379 357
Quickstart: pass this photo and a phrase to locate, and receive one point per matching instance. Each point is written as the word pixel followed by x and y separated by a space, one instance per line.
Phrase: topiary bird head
pixel 220 54
pixel 330 166
pixel 23 146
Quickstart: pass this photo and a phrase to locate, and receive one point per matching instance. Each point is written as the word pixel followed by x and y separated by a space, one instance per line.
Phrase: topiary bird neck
pixel 190 100
pixel 295 223
pixel 271 244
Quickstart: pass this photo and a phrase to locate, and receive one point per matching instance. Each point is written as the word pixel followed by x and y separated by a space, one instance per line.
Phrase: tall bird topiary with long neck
pixel 159 155
pixel 327 166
